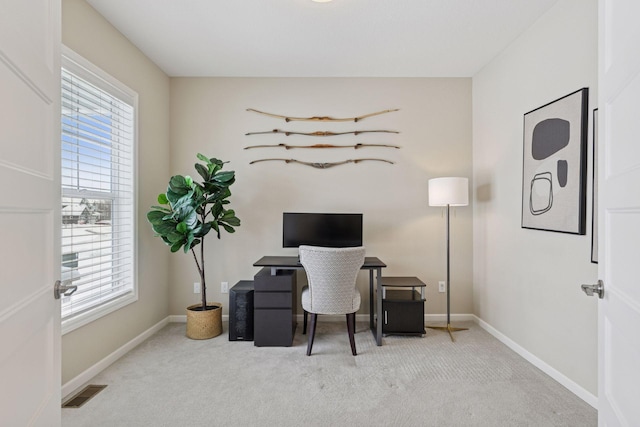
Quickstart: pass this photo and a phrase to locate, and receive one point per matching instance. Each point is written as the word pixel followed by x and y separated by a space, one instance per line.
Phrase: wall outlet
pixel 196 287
pixel 224 287
pixel 442 286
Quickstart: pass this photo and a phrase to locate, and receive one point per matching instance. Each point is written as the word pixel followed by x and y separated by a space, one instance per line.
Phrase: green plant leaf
pixel 203 171
pixel 176 246
pixel 202 230
pixel 162 199
pixel 182 227
pixel 155 216
pixel 161 209
pixel 228 228
pixel 164 228
pixel 202 157
pixel 234 221
pixel 214 225
pixel 224 176
pixel 175 237
pixel 178 184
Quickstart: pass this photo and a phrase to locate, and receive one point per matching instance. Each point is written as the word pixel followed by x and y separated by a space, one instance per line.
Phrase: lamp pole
pixel 450 329
pixel 448 276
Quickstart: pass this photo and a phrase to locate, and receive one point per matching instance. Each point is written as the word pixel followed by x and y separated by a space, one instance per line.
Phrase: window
pixel 98 214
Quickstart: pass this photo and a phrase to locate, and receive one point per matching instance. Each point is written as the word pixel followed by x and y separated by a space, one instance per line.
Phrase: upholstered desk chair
pixel 331 273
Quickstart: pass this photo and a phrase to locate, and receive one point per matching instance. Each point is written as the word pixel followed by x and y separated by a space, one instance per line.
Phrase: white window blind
pixel 98 191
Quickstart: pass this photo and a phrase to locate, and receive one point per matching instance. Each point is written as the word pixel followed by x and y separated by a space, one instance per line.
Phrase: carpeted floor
pixel 170 380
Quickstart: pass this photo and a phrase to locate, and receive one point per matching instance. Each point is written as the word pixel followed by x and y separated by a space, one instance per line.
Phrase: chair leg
pixel 312 332
pixel 304 324
pixel 351 327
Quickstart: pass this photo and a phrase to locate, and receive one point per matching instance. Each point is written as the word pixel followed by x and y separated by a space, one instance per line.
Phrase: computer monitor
pixel 332 230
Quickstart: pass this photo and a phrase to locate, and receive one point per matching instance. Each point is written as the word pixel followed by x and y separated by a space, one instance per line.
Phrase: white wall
pixel 208 115
pixel 87 33
pixel 527 282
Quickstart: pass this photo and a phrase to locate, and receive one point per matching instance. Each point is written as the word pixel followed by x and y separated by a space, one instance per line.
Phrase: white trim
pixel 100 78
pixel 73 386
pixel 538 363
pixel 83 68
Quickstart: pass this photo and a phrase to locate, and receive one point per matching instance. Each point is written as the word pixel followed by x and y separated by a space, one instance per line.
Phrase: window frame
pixel 79 66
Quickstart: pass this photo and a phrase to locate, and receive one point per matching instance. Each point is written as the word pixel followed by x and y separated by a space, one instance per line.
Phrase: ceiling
pixel 301 38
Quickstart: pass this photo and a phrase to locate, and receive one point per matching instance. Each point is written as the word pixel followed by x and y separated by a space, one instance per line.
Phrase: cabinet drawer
pixel 273 299
pixel 273 328
pixel 283 280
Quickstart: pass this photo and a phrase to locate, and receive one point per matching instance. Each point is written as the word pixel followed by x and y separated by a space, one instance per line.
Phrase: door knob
pixel 60 288
pixel 597 289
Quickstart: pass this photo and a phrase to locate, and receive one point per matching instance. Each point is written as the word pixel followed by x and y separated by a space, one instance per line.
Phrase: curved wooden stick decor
pixel 318 165
pixel 321 118
pixel 288 147
pixel 318 133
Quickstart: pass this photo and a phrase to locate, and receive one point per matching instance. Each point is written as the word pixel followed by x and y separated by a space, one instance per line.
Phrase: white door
pixel 619 255
pixel 29 212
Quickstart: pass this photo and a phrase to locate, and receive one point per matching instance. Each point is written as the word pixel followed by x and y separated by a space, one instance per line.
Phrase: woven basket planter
pixel 202 325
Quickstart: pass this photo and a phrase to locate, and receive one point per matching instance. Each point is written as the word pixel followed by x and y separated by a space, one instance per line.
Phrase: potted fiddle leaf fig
pixel 187 212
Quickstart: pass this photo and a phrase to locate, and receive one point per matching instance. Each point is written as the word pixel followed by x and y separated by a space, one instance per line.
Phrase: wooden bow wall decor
pixel 321 118
pixel 321 165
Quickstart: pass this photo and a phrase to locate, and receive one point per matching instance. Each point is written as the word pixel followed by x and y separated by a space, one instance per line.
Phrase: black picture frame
pixel 594 191
pixel 554 165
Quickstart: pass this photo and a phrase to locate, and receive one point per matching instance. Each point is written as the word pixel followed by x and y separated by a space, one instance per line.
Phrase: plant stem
pixel 201 273
pixel 204 283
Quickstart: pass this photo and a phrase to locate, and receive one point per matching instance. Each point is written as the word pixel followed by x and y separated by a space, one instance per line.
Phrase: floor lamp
pixel 449 191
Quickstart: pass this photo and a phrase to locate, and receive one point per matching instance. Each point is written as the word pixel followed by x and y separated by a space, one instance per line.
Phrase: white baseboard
pixel 543 366
pixel 73 386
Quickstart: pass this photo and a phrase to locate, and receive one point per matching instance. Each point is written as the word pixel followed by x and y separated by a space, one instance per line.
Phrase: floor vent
pixel 84 396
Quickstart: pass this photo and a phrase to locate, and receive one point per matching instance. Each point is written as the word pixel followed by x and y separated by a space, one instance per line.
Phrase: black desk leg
pixel 379 307
pixel 371 294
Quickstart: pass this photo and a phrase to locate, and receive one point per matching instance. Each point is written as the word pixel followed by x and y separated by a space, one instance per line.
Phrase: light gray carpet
pixel 170 380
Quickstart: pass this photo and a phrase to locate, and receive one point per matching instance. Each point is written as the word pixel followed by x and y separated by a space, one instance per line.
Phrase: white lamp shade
pixel 453 191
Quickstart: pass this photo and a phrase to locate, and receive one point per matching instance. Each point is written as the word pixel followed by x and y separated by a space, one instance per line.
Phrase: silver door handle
pixel 61 288
pixel 597 289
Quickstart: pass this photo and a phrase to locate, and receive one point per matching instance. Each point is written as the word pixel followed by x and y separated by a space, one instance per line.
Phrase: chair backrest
pixel 331 273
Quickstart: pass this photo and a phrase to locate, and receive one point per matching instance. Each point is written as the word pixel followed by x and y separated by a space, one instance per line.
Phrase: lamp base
pixel 449 329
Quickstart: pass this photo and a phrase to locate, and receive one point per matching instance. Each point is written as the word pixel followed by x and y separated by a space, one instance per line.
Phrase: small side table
pixel 402 306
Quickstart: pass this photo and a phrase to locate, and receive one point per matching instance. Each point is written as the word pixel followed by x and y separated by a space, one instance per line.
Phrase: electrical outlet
pixel 196 287
pixel 224 287
pixel 441 286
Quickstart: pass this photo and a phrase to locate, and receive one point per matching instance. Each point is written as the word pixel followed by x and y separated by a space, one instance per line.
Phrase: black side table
pixel 402 306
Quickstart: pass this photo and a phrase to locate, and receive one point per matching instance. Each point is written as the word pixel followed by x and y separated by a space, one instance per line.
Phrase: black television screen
pixel 332 230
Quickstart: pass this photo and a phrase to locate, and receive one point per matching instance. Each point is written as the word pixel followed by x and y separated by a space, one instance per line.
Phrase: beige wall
pixel 208 116
pixel 527 282
pixel 87 33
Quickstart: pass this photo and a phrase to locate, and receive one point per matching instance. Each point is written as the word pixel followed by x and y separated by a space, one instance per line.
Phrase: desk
pixel 370 263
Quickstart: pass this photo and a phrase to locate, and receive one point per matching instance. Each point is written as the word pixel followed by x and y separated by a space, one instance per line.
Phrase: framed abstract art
pixel 555 165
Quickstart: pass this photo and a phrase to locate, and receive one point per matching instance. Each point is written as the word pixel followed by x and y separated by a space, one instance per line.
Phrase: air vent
pixel 84 396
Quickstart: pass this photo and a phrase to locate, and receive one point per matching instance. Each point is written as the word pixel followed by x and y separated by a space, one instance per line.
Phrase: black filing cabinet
pixel 275 306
